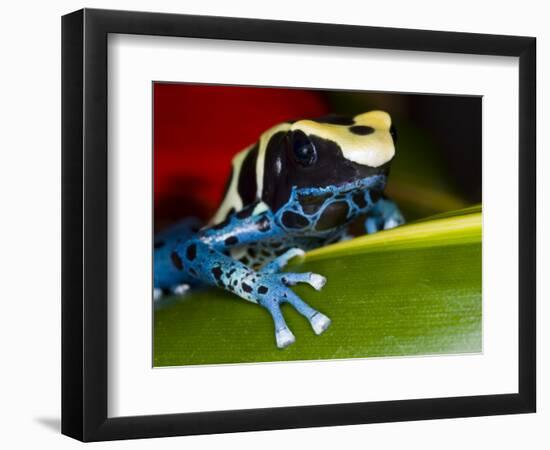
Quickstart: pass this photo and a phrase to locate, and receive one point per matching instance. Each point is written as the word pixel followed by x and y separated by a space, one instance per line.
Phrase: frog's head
pixel 334 151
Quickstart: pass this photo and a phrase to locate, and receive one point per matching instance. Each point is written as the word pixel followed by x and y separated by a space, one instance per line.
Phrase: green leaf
pixel 413 290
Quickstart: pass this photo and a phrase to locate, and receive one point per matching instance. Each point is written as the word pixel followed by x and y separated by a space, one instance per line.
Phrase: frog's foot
pixel 274 290
pixel 386 216
pixel 394 220
pixel 374 224
pixel 180 289
pixel 157 294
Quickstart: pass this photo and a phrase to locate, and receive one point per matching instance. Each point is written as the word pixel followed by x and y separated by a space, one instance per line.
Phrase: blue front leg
pixel 205 259
pixel 268 287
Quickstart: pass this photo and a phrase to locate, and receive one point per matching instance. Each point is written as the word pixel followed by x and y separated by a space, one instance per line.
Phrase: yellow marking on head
pixel 373 150
pixel 376 119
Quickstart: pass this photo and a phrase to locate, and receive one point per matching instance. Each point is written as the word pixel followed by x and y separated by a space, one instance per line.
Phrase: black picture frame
pixel 84 224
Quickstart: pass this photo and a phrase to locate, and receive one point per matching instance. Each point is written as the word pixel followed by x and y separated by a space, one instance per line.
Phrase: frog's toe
pixel 390 223
pixel 284 337
pixel 315 280
pixel 180 289
pixel 319 322
pixel 393 222
pixel 157 294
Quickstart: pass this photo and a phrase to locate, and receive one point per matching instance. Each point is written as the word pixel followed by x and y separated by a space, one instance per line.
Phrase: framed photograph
pixel 273 224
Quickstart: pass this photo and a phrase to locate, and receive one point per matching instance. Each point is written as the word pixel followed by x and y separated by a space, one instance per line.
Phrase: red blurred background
pixel 199 128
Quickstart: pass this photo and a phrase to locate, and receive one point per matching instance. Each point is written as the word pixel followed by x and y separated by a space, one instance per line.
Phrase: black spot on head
pixel 251 252
pixel 231 272
pixel 263 290
pixel 217 272
pixel 274 167
pixel 293 220
pixel 246 287
pixel 266 253
pixel 335 119
pixel 176 260
pixel 191 252
pixel 247 177
pixel 263 224
pixel 361 130
pixel 159 244
pixel 359 199
pixel 334 215
pixel 231 240
pixel 235 281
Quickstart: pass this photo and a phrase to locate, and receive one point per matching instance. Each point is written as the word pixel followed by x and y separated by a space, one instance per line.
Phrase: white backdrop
pixel 30 177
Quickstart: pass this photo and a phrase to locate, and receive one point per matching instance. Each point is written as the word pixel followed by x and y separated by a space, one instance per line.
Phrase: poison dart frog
pixel 298 188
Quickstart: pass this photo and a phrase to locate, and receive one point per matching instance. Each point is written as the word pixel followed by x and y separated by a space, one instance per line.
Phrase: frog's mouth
pixel 371 182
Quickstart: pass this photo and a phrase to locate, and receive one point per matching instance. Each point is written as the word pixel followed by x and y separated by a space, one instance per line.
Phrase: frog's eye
pixel 303 149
